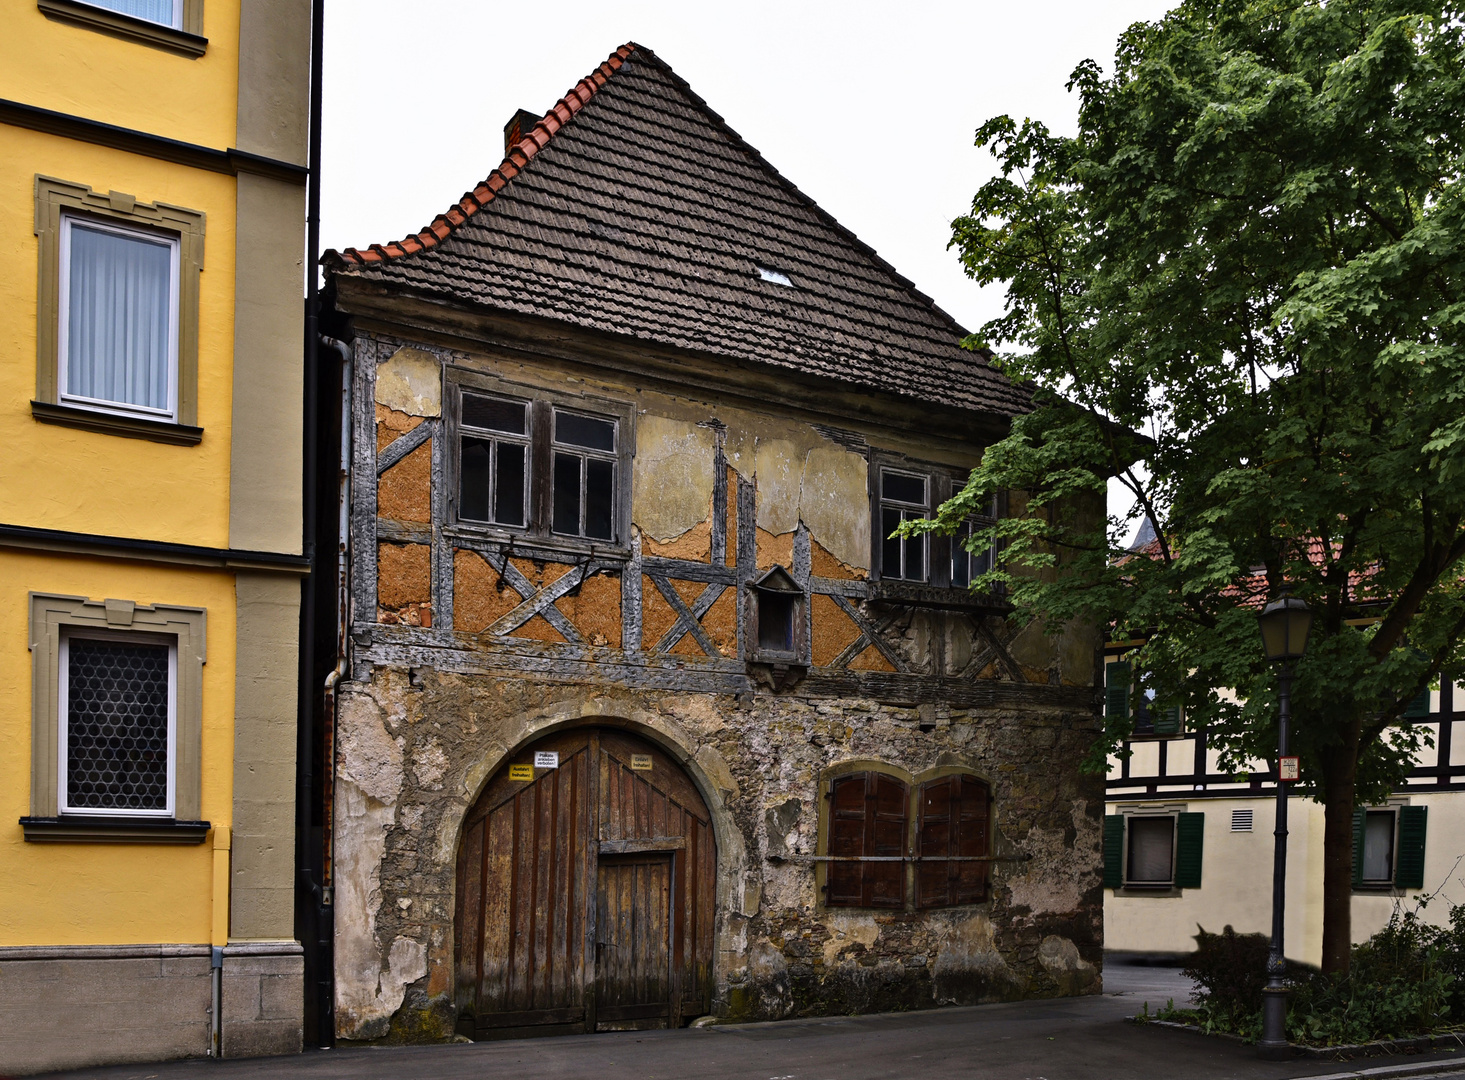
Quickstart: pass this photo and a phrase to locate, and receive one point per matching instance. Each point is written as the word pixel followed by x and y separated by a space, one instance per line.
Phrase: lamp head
pixel 1284 624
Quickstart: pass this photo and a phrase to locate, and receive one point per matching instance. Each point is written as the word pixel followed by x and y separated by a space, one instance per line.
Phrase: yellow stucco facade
pixel 175 935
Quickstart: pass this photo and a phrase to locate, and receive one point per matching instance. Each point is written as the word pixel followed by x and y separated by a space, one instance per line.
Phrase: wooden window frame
pixel 1406 869
pixel 542 406
pixel 185 40
pixel 942 481
pixel 60 201
pixel 52 618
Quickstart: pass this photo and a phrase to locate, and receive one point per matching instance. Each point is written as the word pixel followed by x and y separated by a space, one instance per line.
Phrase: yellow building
pixel 152 207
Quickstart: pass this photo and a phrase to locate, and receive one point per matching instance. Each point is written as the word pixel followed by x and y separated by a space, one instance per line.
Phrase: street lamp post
pixel 1284 625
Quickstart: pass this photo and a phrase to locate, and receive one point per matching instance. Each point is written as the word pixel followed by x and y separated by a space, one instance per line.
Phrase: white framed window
pixel 117 706
pixel 162 12
pixel 903 497
pixel 117 330
pixel 584 478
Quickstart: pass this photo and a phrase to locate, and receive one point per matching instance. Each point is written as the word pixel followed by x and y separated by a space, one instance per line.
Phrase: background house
pixel 152 206
pixel 643 716
pixel 1185 844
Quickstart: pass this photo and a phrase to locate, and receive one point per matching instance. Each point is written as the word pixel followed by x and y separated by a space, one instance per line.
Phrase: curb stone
pixel 1396 1072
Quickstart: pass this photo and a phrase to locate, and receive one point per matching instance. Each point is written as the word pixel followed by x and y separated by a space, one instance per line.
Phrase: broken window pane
pixel 474 480
pixel 495 414
pixel 567 494
pixel 599 499
pixel 508 502
pixel 587 431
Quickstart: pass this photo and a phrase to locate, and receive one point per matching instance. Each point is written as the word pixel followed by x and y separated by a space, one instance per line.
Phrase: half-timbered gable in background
pixel 644 716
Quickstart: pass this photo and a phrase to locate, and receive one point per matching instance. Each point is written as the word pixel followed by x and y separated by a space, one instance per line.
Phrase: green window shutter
pixel 1116 689
pixel 1190 838
pixel 1417 709
pixel 1113 851
pixel 1409 866
pixel 1168 722
pixel 1357 848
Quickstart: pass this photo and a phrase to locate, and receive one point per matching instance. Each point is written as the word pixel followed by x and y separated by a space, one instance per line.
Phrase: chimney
pixel 519 125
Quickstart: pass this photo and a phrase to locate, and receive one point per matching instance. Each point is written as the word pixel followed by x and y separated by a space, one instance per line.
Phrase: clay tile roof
pixel 633 209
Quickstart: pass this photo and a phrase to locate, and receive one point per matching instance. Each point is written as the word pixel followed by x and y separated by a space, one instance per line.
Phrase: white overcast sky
pixel 868 107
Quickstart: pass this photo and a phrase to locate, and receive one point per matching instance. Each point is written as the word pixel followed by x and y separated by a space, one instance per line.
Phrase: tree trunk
pixel 1340 773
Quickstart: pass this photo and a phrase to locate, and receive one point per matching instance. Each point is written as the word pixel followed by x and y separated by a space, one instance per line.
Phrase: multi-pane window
pixel 493 472
pixel 1133 698
pixel 903 497
pixel 164 12
pixel 118 319
pixel 534 466
pixel 870 843
pixel 584 475
pixel 968 566
pixel 117 710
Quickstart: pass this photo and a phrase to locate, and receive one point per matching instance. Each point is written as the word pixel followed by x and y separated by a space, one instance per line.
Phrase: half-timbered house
pixel 641 714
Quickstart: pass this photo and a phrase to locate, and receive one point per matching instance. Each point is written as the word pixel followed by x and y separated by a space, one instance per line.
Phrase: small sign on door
pixel 546 759
pixel 523 773
pixel 641 762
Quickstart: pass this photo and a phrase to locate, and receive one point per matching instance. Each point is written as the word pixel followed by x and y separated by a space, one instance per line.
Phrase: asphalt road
pixel 1068 1039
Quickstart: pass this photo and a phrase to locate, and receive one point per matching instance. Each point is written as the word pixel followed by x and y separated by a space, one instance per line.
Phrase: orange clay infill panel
pixel 823 564
pixel 480 597
pixel 775 549
pixel 404 492
pixel 541 573
pixel 537 629
pixel 404 584
pixel 721 622
pixel 657 616
pixel 872 659
pixel 390 424
pixel 594 609
pixel 695 544
pixel 833 631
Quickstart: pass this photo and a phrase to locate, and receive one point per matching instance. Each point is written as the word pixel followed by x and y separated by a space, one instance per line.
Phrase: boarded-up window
pixel 953 828
pixel 867 840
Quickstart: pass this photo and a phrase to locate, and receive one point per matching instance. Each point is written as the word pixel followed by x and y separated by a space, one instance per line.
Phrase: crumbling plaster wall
pixel 437 738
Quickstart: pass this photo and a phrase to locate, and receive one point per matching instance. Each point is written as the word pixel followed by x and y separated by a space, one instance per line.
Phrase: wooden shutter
pixel 867 817
pixel 955 820
pixel 1409 865
pixel 1190 836
pixel 1116 689
pixel 1358 817
pixel 1418 708
pixel 1168 722
pixel 1113 851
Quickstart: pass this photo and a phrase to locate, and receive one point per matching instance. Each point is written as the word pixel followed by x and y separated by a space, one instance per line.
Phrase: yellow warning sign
pixel 521 772
pixel 641 762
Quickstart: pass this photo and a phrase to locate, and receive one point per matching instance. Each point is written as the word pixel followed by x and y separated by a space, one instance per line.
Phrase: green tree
pixel 1238 289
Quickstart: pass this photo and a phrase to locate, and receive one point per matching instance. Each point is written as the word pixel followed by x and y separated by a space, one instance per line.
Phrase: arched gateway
pixel 585 892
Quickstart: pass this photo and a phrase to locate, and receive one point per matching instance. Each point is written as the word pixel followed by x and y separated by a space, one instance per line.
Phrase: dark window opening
pixel 776 621
pixel 492 478
pixel 584 476
pixel 967 566
pixel 903 497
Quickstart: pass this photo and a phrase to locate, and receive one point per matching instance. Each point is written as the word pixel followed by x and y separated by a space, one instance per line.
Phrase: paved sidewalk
pixel 1068 1039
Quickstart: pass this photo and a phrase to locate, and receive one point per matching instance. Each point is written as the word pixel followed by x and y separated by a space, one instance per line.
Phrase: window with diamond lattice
pixel 118 704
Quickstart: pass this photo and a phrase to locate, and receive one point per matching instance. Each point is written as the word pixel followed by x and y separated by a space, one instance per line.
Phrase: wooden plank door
pixel 526 868
pixel 633 920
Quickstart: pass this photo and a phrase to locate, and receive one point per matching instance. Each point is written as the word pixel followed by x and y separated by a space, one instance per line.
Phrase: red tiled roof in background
pixel 517 157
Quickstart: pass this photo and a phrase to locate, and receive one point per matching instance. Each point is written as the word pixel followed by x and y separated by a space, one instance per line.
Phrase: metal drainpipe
pixel 216 985
pixel 343 612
